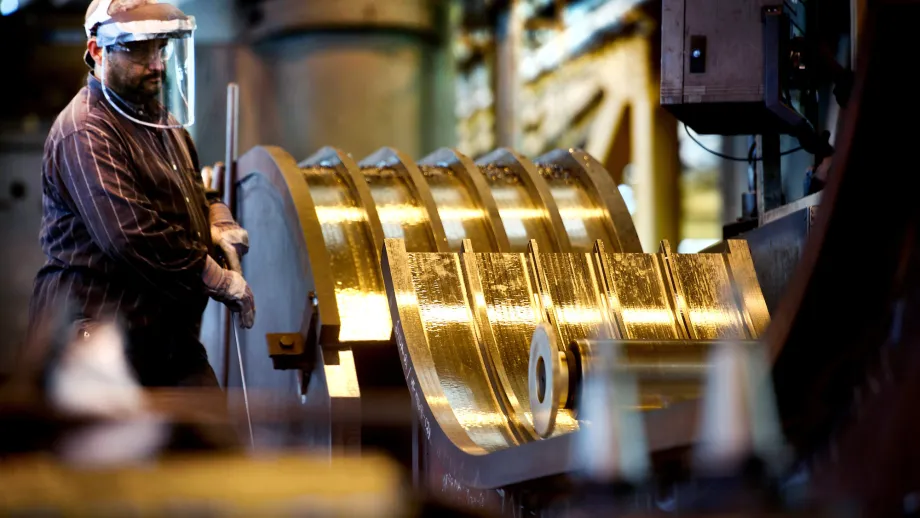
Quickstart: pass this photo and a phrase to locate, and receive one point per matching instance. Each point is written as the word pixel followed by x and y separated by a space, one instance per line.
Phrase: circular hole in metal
pixel 541 380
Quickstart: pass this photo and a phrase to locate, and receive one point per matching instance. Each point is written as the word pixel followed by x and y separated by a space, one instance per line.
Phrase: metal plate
pixel 640 296
pixel 705 295
pixel 460 368
pixel 271 198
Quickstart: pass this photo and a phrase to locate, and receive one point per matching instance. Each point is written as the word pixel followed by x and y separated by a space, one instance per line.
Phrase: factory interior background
pixel 621 314
pixel 413 75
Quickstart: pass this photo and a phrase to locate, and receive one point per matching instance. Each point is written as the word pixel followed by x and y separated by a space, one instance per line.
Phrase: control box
pixel 728 66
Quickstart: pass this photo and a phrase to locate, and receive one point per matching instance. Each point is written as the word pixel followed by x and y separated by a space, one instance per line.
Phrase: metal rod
pixel 233 100
pixel 229 188
pixel 239 355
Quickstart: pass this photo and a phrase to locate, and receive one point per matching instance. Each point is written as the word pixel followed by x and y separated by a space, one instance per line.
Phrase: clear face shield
pixel 149 77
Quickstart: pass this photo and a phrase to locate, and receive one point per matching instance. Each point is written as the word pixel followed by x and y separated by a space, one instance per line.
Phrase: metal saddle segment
pixel 491 344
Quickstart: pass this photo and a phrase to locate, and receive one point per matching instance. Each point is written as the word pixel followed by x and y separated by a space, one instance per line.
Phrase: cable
pixel 736 159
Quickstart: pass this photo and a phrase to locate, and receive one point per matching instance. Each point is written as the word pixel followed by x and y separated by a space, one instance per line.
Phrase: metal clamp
pixel 288 352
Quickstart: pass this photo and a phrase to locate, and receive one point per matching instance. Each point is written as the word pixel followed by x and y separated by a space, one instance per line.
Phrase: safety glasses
pixel 141 52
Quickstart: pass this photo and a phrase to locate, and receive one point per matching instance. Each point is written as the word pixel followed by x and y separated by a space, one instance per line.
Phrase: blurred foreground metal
pixel 283 485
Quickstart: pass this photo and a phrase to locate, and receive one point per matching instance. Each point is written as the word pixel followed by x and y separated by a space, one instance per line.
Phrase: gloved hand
pixel 207 176
pixel 231 238
pixel 230 288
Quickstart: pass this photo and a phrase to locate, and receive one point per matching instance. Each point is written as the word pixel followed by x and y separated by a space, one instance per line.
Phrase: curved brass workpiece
pixel 465 323
pixel 525 204
pixel 315 263
pixel 589 202
pixel 352 235
pixel 464 201
pixel 404 203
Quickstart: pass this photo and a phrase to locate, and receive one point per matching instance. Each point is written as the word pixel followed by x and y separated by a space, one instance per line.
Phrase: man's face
pixel 136 70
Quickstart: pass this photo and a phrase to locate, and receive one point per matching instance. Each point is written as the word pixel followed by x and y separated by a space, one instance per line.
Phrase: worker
pixel 129 230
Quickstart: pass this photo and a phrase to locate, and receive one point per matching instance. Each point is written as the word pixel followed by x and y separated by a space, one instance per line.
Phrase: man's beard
pixel 140 90
pixel 151 84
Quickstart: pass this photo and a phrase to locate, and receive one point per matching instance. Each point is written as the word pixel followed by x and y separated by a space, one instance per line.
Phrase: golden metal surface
pixel 756 314
pixel 349 208
pixel 640 296
pixel 418 357
pixel 465 170
pixel 461 216
pixel 523 211
pixel 589 202
pixel 507 316
pixel 706 297
pixel 401 214
pixel 570 296
pixel 583 220
pixel 219 485
pixel 667 371
pixel 468 321
pixel 404 204
pixel 362 306
pixel 444 309
pixel 342 377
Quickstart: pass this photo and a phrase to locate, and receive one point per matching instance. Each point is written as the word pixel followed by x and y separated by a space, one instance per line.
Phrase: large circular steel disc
pixel 278 271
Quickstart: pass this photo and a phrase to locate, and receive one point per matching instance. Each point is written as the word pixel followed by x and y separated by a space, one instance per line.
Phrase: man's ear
pixel 94 50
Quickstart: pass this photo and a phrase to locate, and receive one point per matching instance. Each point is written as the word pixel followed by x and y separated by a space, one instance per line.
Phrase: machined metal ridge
pixel 537 190
pixel 468 173
pixel 392 158
pixel 621 235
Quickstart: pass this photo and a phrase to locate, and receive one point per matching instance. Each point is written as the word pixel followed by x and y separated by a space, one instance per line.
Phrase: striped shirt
pixel 125 227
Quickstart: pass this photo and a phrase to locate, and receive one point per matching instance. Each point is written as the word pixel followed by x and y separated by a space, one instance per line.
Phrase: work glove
pixel 232 239
pixel 231 289
pixel 212 176
pixel 208 177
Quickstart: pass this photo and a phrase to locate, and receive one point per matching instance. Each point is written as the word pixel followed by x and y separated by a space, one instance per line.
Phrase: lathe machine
pixel 455 312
